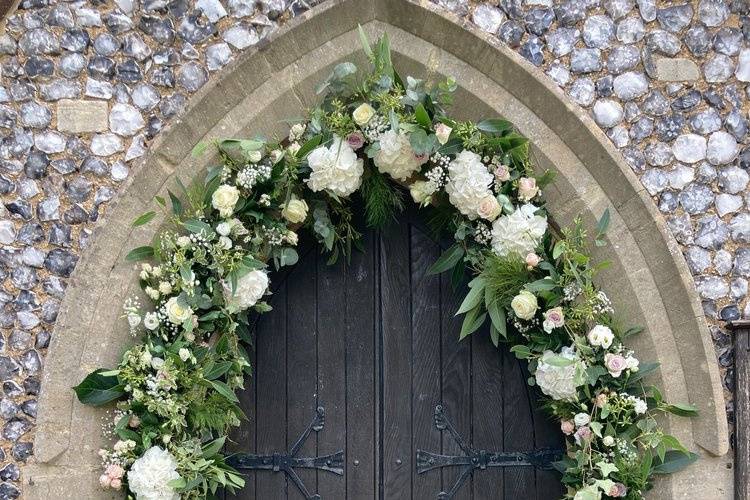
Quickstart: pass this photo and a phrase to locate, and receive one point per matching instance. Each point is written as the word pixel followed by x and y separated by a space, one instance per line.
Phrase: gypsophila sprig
pixel 377 136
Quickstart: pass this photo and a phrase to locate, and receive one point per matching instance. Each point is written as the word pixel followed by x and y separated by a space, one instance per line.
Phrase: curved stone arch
pixel 648 281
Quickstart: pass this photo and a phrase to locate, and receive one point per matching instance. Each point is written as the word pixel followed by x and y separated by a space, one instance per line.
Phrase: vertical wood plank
pixel 741 331
pixel 332 339
pixel 487 402
pixel 425 296
pixel 271 406
pixel 456 385
pixel 518 431
pixel 547 434
pixel 361 399
pixel 396 333
pixel 301 378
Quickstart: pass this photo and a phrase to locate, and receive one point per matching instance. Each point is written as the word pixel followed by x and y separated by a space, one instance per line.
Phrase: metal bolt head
pixel 398 461
pixel 356 462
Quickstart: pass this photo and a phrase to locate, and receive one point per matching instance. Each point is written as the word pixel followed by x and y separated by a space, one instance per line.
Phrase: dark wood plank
pixel 518 432
pixel 741 409
pixel 270 412
pixel 487 415
pixel 361 358
pixel 456 384
pixel 301 373
pixel 397 460
pixel 547 434
pixel 426 365
pixel 332 339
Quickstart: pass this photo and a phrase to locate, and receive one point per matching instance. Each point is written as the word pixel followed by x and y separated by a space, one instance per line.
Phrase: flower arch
pixel 52 446
pixel 533 283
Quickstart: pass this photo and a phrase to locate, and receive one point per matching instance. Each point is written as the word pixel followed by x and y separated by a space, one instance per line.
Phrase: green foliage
pixel 99 387
pixel 383 200
pixel 505 277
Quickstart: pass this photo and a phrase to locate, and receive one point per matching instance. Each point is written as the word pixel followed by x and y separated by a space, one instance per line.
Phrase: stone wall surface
pixel 87 86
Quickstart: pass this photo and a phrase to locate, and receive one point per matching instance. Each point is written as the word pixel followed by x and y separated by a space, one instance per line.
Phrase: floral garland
pixel 175 389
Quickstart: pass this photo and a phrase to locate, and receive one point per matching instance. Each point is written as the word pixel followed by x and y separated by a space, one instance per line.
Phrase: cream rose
pixel 250 289
pixel 442 132
pixel 524 305
pixel 581 419
pixel 489 208
pixel 502 173
pixel 150 475
pixel 527 188
pixel 177 311
pixel 395 156
pixel 224 199
pixel 421 190
pixel 363 114
pixel 295 211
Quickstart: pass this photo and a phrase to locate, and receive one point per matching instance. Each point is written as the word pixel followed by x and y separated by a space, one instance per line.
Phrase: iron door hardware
pixel 478 459
pixel 287 462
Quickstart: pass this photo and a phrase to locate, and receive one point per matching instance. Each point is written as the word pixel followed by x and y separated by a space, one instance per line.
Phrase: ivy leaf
pixel 99 388
pixel 446 261
pixel 140 253
pixel 593 373
pixel 144 219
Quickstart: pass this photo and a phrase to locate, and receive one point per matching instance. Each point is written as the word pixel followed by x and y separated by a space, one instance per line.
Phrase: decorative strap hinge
pixel 288 462
pixel 478 459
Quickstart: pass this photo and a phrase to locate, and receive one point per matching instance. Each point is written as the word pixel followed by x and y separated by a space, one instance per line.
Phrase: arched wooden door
pixel 375 346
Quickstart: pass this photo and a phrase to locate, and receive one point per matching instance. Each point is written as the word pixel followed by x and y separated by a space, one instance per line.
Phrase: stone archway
pixel 648 279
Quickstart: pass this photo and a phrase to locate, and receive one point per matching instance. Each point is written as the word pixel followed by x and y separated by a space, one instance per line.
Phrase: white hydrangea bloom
pixel 149 476
pixel 396 157
pixel 468 183
pixel 558 382
pixel 250 289
pixel 519 233
pixel 335 168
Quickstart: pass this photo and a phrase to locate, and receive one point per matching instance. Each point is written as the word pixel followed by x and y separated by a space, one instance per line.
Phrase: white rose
pixel 165 288
pixel 608 441
pixel 558 382
pixel 581 419
pixel 177 311
pixel 149 476
pixel 225 243
pixel 421 190
pixel 600 336
pixel 151 321
pixel 254 156
pixel 489 208
pixel 295 211
pixel 363 114
pixel 396 157
pixel 468 183
pixel 524 305
pixel 224 228
pixel 442 132
pixel 184 354
pixel 157 363
pixel 224 199
pixel 335 168
pixel 250 289
pixel 519 233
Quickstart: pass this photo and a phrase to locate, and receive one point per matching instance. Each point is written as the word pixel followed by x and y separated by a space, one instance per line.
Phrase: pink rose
pixel 489 208
pixel 355 140
pixel 527 189
pixel 105 481
pixel 555 315
pixel 601 400
pixel 115 484
pixel 114 471
pixel 442 132
pixel 582 435
pixel 502 173
pixel 422 159
pixel 615 364
pixel 567 427
pixel 532 260
pixel 618 490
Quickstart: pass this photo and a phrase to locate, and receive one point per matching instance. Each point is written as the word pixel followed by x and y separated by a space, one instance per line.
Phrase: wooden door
pixel 375 346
